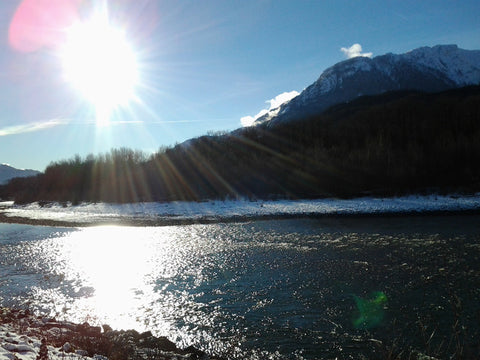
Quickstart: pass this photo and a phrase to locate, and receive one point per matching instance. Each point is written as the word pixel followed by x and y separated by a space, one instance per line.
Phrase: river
pixel 272 289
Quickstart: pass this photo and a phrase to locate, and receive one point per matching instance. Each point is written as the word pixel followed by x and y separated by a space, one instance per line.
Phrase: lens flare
pixel 371 310
pixel 40 23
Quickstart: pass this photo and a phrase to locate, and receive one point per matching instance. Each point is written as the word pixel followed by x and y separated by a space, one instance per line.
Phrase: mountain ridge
pixel 428 69
pixel 8 172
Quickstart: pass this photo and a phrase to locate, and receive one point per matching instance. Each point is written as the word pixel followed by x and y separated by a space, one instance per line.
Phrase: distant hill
pixel 427 69
pixel 8 172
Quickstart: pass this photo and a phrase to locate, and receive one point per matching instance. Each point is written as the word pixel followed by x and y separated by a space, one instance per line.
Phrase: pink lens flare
pixel 41 23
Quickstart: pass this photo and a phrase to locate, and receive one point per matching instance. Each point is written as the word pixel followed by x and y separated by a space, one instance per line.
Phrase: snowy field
pixel 222 210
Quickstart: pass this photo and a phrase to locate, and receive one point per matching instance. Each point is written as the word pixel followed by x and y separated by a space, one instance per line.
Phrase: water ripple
pixel 259 290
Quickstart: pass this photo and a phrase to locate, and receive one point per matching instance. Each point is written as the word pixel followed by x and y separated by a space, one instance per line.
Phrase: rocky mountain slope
pixel 429 69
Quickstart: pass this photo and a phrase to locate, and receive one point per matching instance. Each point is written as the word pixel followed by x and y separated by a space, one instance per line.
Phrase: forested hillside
pixel 393 143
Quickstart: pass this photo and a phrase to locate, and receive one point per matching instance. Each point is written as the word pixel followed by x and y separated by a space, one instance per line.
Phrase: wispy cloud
pixel 274 103
pixel 43 125
pixel 354 51
pixel 31 127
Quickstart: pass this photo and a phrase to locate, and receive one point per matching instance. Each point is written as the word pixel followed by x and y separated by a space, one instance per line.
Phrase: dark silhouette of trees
pixel 389 144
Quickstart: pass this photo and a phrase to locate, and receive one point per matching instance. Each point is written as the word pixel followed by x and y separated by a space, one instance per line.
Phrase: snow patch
pixel 217 209
pixel 14 346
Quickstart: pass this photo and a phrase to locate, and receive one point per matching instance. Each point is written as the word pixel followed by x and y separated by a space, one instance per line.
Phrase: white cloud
pixel 247 120
pixel 354 51
pixel 274 103
pixel 282 98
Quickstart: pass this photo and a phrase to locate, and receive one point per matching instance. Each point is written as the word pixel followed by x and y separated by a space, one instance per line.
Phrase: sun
pixel 100 63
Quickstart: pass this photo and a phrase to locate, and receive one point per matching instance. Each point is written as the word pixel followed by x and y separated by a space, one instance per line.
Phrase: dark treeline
pixel 389 144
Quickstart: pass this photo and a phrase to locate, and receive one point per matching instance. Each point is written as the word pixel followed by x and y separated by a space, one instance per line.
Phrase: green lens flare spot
pixel 370 310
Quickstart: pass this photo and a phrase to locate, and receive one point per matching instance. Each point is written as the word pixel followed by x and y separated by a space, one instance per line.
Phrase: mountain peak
pixel 428 69
pixel 459 65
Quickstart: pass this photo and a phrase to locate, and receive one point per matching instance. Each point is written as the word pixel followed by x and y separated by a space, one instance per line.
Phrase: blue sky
pixel 204 65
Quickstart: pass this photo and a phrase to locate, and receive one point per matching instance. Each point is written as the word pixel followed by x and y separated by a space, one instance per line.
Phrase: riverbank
pixel 208 220
pixel 26 336
pixel 186 213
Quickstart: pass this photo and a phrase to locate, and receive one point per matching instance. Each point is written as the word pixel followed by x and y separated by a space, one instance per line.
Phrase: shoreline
pixel 163 221
pixel 24 335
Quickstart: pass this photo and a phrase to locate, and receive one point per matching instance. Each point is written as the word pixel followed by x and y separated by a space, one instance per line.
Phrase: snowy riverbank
pixel 231 210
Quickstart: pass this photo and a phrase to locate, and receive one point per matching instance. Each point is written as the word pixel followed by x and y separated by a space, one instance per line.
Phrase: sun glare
pixel 99 62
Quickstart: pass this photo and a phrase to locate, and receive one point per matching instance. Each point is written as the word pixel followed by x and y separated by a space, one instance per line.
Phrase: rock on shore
pixel 24 336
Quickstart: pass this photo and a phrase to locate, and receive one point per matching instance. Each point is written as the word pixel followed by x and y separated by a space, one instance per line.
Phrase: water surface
pixel 295 289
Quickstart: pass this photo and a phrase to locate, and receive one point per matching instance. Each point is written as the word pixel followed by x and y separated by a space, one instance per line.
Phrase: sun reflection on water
pixel 137 278
pixel 114 265
pixel 115 271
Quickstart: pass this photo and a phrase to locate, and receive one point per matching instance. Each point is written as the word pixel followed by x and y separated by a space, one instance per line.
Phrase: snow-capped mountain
pixel 429 69
pixel 7 172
